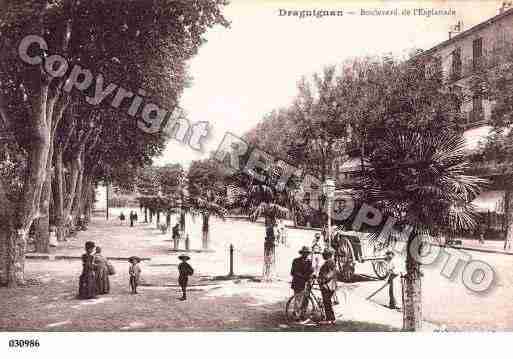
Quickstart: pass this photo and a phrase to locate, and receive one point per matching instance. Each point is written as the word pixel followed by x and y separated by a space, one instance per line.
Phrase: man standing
pixel 301 270
pixel 392 274
pixel 328 283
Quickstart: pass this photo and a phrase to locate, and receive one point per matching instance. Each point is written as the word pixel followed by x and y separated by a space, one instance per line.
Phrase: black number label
pixel 24 343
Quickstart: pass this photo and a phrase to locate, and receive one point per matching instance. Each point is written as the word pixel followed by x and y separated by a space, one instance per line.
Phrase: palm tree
pixel 266 199
pixel 419 178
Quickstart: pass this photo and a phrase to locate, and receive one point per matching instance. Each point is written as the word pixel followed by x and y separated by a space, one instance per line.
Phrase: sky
pixel 253 67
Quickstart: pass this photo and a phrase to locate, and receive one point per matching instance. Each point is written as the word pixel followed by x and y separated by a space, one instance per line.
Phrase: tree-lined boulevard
pixel 248 305
pixel 382 135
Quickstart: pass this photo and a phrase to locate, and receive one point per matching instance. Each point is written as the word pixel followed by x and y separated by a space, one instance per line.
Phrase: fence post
pixel 231 261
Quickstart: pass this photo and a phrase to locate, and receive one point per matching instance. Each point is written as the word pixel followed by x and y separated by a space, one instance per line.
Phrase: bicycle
pixel 306 304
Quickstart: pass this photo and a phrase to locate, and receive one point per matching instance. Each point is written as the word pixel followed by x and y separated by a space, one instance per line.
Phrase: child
pixel 135 273
pixel 122 218
pixel 184 270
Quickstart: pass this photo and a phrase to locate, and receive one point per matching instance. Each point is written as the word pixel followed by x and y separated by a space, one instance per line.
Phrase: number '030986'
pixel 24 343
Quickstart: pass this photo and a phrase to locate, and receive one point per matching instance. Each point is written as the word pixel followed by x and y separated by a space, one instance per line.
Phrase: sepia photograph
pixel 172 170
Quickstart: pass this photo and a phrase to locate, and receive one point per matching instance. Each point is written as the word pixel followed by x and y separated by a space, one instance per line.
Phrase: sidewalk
pixel 488 247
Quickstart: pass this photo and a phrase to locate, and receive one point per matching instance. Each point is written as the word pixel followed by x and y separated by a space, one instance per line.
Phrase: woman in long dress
pixel 102 273
pixel 87 283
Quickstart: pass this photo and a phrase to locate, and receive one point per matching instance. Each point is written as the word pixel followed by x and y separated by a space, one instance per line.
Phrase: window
pixel 477 103
pixel 456 64
pixel 477 52
pixel 477 113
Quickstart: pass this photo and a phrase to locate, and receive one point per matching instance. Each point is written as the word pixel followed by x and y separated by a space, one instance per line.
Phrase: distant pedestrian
pixel 134 272
pixel 328 284
pixel 316 253
pixel 122 218
pixel 176 235
pixel 131 218
pixel 184 271
pixel 482 237
pixel 392 274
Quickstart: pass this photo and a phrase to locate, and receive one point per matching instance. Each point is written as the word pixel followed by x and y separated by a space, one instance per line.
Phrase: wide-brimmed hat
pixel 317 235
pixel 305 249
pixel 89 245
pixel 134 259
pixel 184 257
pixel 389 252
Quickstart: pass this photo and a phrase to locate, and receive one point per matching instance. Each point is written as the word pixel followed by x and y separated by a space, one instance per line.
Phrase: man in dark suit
pixel 328 283
pixel 301 270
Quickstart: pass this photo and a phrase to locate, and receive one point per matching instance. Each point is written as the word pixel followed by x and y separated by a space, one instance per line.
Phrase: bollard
pixel 187 243
pixel 231 261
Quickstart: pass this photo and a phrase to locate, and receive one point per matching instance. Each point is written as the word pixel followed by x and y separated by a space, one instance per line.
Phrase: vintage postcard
pixel 254 166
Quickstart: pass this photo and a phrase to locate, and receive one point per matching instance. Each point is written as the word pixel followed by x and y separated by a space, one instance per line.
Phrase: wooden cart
pixel 349 251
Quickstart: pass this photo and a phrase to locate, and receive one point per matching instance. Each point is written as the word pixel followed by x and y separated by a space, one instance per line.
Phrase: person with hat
pixel 392 274
pixel 87 282
pixel 184 271
pixel 328 283
pixel 301 270
pixel 134 271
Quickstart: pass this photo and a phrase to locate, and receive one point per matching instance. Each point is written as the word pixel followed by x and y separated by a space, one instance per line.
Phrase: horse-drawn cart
pixel 349 250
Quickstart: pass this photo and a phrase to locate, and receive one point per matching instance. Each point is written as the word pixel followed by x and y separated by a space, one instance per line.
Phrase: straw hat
pixel 184 257
pixel 134 259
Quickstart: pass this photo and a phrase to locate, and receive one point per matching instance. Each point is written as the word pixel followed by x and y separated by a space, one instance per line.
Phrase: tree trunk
pixel 158 219
pixel 182 221
pixel 412 297
pixel 42 224
pixel 58 195
pixel 89 202
pixel 74 189
pixel 269 251
pixel 508 218
pixel 28 208
pixel 77 201
pixel 6 212
pixel 145 215
pixel 168 219
pixel 151 216
pixel 205 232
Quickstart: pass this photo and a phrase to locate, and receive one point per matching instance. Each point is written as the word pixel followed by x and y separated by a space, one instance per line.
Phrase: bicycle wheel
pixel 300 308
pixel 318 313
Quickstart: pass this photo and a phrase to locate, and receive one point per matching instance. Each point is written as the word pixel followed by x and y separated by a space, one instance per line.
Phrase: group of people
pixel 302 271
pixel 308 266
pixel 132 217
pixel 96 269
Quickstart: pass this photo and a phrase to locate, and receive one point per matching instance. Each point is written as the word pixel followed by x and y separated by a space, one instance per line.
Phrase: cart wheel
pixel 346 271
pixel 380 267
pixel 345 260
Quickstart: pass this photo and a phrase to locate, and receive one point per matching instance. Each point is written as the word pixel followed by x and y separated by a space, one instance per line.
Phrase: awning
pixel 492 201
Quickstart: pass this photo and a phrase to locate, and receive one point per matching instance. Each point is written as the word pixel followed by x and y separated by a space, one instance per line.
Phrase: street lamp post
pixel 328 188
